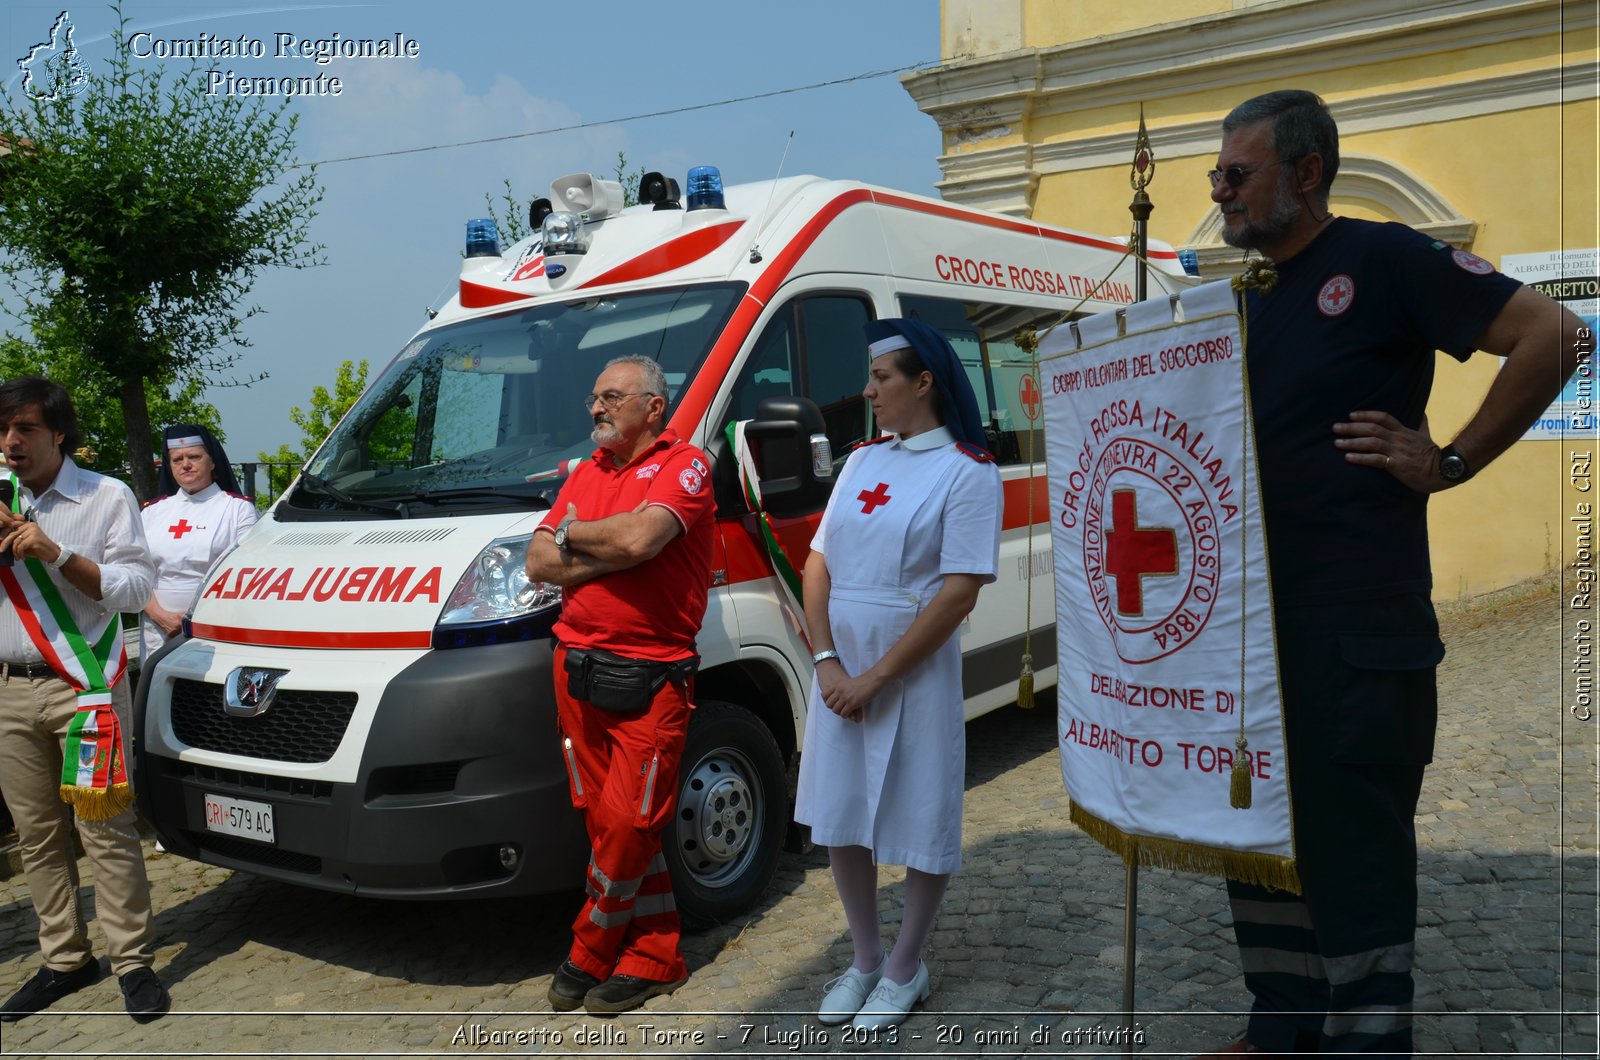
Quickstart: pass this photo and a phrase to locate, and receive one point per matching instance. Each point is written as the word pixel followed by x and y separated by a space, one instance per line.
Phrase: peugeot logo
pixel 250 690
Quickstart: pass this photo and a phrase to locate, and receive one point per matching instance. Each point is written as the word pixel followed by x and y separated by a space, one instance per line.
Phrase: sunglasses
pixel 1235 176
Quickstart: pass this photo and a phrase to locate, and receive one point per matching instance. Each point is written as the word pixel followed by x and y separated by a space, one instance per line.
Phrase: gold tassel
pixel 97 804
pixel 1239 782
pixel 1025 684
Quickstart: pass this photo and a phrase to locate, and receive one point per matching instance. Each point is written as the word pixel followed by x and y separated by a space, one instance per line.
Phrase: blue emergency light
pixel 1190 260
pixel 705 188
pixel 483 238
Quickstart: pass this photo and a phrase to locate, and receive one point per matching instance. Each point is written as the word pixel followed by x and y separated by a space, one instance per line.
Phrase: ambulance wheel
pixel 722 846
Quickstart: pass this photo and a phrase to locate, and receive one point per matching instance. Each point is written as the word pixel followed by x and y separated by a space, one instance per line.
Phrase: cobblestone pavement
pixel 1028 945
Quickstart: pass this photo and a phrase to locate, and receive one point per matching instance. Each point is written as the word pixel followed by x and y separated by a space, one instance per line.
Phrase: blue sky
pixel 393 226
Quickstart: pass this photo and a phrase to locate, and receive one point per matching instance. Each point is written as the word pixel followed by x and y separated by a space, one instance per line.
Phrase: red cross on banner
pixel 1132 552
pixel 873 498
pixel 179 528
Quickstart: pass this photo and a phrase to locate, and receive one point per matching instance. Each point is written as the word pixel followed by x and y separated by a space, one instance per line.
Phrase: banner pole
pixel 1144 170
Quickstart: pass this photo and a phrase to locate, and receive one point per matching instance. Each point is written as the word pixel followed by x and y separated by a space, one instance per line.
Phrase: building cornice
pixel 1371 113
pixel 1292 39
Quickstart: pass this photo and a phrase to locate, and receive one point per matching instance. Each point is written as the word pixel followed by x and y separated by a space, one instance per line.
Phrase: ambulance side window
pixel 1001 372
pixel 813 346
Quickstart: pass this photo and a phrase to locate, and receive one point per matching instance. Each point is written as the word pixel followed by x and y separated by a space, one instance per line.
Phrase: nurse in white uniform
pixel 200 515
pixel 912 531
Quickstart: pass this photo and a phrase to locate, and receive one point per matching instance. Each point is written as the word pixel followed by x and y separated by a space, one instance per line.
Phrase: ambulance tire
pixel 723 844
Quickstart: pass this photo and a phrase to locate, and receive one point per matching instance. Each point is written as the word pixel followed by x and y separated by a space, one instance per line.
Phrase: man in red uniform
pixel 629 540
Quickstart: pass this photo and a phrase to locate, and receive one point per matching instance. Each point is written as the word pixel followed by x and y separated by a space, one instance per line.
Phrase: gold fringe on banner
pixel 1246 866
pixel 97 804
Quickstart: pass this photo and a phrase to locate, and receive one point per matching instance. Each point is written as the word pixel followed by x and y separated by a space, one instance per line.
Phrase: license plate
pixel 240 817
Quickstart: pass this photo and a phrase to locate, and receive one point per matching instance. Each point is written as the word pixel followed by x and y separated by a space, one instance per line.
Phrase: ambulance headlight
pixel 495 586
pixel 563 234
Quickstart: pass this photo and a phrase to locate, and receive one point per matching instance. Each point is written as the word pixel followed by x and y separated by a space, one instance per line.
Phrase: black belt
pixel 28 670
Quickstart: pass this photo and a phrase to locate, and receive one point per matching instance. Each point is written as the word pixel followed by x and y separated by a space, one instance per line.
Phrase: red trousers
pixel 623 772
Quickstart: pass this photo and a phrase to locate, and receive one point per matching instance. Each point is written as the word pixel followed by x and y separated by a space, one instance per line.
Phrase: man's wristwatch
pixel 561 534
pixel 1453 466
pixel 61 558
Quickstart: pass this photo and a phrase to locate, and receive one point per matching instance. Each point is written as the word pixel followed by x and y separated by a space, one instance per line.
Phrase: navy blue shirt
pixel 1352 325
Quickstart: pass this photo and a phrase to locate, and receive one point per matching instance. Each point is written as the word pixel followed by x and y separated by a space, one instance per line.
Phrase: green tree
pixel 138 212
pixel 321 414
pixel 391 442
pixel 510 215
pixel 100 422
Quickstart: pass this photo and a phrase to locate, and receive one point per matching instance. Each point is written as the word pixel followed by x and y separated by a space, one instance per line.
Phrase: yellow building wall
pixel 1527 177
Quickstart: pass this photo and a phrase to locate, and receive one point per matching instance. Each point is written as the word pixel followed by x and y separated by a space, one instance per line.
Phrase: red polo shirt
pixel 654 610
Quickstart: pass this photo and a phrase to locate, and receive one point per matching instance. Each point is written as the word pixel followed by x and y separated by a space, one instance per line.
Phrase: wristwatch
pixel 823 656
pixel 61 558
pixel 1453 466
pixel 561 534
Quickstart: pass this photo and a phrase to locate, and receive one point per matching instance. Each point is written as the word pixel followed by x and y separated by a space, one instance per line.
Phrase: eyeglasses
pixel 613 399
pixel 1235 176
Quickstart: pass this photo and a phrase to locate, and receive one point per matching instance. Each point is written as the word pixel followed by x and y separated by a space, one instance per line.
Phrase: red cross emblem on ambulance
pixel 1028 392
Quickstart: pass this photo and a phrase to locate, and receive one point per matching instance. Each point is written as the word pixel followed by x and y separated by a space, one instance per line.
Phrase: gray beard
pixel 1252 235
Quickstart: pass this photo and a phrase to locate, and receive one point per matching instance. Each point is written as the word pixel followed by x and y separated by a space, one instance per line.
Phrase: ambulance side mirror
pixel 792 454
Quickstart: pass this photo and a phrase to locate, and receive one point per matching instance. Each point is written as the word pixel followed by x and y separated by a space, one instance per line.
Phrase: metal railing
pixel 274 476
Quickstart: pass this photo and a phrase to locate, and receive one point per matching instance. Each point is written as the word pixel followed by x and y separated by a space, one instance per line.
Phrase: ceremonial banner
pixel 1163 607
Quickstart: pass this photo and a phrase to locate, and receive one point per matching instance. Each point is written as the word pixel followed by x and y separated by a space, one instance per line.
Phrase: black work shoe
pixel 623 993
pixel 569 986
pixel 143 995
pixel 48 987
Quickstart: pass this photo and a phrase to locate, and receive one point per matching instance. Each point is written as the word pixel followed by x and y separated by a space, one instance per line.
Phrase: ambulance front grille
pixel 300 725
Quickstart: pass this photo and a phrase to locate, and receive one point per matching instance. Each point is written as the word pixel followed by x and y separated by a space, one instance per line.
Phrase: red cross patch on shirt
pixel 1336 295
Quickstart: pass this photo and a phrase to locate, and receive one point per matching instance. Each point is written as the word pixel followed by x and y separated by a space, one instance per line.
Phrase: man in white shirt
pixel 72 555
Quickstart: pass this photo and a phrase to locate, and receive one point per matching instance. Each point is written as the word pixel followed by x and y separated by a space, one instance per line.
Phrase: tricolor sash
pixel 94 779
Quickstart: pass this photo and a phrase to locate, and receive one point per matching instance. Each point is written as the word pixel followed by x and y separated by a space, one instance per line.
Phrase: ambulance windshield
pixel 489 412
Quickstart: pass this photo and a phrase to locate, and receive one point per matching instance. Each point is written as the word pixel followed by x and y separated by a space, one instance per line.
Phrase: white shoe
pixel 846 993
pixel 890 1002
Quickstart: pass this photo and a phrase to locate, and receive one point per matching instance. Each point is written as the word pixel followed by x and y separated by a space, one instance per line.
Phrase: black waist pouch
pixel 619 684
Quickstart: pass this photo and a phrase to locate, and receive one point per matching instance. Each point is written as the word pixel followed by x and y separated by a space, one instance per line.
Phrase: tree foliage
pixel 138 211
pixel 392 441
pixel 100 417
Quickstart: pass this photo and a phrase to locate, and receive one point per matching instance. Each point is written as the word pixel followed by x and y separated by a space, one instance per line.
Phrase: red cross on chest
pixel 181 527
pixel 871 499
pixel 1133 552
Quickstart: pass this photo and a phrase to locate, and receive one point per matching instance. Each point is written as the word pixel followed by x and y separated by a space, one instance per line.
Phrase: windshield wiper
pixel 538 501
pixel 325 487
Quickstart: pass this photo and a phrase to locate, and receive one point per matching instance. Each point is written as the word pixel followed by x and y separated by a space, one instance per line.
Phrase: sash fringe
pixel 1264 870
pixel 97 804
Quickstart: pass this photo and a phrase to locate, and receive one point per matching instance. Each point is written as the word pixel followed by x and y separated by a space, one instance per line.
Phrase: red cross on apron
pixel 179 528
pixel 871 499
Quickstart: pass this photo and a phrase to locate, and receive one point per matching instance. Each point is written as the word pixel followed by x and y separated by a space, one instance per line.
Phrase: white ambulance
pixel 362 701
